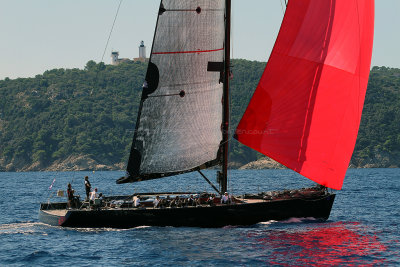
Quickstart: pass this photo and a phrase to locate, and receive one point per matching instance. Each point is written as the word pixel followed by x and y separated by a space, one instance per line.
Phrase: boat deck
pixel 126 203
pixel 62 212
pixel 56 212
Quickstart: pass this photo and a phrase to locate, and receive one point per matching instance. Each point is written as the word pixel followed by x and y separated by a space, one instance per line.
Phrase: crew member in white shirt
pixel 225 198
pixel 156 202
pixel 93 194
pixel 136 201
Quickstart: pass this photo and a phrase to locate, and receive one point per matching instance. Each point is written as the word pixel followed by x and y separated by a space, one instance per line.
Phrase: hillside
pixel 72 119
pixel 378 142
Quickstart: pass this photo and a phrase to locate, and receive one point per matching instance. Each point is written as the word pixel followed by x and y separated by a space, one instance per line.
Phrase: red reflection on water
pixel 334 244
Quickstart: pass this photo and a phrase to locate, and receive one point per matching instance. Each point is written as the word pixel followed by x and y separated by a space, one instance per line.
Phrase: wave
pixel 142 227
pixel 288 221
pixel 21 228
pixel 91 230
pixel 36 255
pixel 300 220
pixel 267 223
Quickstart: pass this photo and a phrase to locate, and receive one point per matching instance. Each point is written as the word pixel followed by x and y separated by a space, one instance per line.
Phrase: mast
pixel 225 122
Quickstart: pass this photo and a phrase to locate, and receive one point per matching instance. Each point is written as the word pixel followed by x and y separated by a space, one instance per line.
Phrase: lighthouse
pixel 114 58
pixel 142 51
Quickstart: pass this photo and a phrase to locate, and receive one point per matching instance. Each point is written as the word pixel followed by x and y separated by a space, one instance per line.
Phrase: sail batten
pixel 180 116
pixel 306 110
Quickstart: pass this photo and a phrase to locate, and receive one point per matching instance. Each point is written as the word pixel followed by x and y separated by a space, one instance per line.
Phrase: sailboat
pixel 305 114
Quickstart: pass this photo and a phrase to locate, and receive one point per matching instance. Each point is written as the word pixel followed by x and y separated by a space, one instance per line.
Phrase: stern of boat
pixel 55 214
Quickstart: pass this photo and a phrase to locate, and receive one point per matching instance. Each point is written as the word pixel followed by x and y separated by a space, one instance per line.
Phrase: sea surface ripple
pixel 363 229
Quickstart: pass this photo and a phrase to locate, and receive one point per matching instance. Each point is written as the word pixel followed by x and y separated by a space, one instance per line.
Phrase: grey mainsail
pixel 179 123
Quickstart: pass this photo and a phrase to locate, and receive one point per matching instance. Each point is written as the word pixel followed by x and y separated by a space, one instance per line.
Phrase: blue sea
pixel 363 229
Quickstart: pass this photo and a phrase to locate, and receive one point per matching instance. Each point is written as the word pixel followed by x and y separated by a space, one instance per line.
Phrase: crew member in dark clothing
pixel 88 187
pixel 70 194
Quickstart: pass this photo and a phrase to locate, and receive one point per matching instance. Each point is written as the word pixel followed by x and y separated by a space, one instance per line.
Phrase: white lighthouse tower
pixel 114 58
pixel 142 51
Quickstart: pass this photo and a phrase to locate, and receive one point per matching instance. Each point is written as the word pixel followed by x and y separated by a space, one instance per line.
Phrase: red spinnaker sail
pixel 306 110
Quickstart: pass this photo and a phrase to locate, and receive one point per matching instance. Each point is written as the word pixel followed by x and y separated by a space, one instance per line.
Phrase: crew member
pixel 136 201
pixel 93 194
pixel 88 186
pixel 225 199
pixel 70 194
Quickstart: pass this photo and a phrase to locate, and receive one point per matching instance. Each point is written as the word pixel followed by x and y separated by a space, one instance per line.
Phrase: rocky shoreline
pixel 263 163
pixel 72 163
pixel 87 163
pixel 380 160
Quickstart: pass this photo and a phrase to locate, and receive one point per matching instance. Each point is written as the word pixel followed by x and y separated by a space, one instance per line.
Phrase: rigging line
pixel 283 9
pixel 359 62
pixel 232 130
pixel 232 33
pixel 112 28
pixel 209 182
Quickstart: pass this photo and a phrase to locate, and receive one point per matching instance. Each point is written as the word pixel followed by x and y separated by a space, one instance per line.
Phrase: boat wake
pixel 21 228
pixel 299 220
pixel 267 223
pixel 142 227
pixel 288 221
pixel 39 228
pixel 95 230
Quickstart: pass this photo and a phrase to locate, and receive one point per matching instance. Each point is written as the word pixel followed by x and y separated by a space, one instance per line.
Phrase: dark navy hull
pixel 201 216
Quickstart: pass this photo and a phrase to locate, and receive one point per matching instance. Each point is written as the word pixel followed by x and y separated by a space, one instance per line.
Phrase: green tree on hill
pixel 92 112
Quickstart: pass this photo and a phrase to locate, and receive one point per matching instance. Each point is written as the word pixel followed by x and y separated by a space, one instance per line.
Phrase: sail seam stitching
pixel 192 10
pixel 188 52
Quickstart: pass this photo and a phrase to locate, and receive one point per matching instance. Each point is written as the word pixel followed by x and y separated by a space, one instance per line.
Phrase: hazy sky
pixel 37 35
